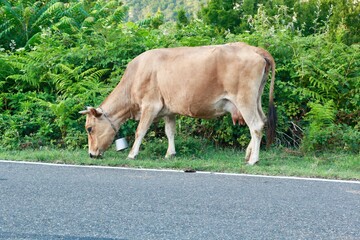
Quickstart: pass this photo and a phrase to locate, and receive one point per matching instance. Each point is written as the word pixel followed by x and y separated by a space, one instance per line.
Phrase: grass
pixel 198 155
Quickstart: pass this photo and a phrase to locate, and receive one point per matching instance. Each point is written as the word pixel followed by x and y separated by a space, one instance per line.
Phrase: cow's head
pixel 100 129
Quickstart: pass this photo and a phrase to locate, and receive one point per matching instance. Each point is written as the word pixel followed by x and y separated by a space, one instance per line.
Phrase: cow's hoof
pixel 251 163
pixel 131 157
pixel 170 156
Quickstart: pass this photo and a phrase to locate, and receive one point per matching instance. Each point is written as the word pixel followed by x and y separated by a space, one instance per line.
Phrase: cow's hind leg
pixel 170 129
pixel 147 117
pixel 255 122
pixel 252 156
pixel 248 151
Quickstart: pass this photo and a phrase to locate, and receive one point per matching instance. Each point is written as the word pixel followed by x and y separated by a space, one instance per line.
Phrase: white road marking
pixel 182 171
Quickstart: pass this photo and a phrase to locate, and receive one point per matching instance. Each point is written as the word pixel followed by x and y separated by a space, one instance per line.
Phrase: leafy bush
pixel 333 138
pixel 73 54
pixel 323 134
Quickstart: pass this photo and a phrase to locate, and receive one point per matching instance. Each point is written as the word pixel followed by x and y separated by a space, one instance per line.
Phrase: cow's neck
pixel 117 105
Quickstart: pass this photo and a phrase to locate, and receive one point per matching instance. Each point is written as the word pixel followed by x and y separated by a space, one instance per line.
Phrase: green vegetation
pixel 140 9
pixel 57 57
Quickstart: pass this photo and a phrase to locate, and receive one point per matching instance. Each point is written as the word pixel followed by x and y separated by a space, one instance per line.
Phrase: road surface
pixel 40 201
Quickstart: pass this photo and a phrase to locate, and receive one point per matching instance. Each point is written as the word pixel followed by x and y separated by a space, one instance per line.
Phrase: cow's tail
pixel 272 118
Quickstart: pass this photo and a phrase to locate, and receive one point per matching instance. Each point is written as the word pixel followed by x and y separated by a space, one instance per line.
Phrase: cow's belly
pixel 210 110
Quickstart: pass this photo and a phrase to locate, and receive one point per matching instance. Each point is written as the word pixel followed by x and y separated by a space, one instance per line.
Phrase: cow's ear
pixel 94 112
pixel 86 111
pixel 91 111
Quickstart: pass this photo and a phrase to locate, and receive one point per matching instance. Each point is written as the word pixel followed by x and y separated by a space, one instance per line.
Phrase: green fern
pixel 320 117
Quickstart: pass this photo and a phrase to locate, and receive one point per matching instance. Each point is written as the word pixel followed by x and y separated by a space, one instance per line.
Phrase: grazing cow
pixel 199 82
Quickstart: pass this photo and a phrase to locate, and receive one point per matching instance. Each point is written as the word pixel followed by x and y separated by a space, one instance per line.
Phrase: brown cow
pixel 200 82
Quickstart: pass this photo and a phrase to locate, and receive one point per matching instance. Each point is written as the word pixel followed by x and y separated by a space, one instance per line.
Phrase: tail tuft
pixel 271 125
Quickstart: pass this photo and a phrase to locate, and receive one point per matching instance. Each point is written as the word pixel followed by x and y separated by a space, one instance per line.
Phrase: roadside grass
pixel 199 155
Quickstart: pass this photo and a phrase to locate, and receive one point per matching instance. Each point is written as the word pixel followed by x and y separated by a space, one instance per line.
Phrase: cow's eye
pixel 89 129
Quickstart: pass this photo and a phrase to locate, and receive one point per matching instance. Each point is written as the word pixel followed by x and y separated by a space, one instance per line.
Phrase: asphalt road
pixel 64 202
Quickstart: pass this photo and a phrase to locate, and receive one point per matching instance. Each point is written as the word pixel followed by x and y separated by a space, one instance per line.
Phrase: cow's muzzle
pixel 95 156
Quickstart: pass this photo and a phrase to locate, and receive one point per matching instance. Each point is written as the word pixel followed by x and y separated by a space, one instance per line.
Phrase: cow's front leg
pixel 147 116
pixel 170 129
